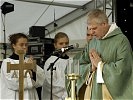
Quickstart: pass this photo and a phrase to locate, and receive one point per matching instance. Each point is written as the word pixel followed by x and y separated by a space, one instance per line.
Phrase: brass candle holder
pixel 73 75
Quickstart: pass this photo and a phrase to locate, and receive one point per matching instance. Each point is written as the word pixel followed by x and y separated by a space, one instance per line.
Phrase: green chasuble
pixel 115 50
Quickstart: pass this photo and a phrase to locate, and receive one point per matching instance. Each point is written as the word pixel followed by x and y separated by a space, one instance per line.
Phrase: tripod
pixel 4 44
pixel 6 8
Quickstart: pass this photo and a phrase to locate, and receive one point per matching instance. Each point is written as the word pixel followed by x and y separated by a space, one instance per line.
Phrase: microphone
pixel 65 49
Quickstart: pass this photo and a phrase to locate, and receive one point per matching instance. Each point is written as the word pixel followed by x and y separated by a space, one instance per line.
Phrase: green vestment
pixel 115 50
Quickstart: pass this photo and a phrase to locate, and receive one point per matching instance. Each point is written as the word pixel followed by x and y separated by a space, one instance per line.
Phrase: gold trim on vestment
pixel 89 81
pixel 105 92
pixel 89 87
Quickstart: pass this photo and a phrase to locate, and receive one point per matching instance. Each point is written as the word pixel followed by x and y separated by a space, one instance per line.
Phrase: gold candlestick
pixel 72 77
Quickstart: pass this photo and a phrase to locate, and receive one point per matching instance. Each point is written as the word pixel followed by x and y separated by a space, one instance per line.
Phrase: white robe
pixel 10 86
pixel 58 88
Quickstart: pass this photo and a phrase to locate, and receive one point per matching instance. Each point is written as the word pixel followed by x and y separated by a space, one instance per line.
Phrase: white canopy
pixel 27 14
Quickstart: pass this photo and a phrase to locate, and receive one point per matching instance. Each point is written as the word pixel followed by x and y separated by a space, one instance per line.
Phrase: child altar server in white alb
pixel 10 81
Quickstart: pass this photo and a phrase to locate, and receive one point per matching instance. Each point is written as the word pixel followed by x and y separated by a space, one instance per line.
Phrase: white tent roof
pixel 68 14
pixel 27 14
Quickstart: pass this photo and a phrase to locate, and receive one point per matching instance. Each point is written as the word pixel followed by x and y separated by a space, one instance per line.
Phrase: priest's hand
pixel 94 68
pixel 94 57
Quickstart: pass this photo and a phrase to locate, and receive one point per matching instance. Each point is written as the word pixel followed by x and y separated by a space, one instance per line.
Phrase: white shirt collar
pixel 112 27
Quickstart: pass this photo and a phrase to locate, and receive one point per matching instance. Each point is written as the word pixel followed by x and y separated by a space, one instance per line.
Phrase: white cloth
pixel 10 86
pixel 58 87
pixel 99 73
pixel 112 27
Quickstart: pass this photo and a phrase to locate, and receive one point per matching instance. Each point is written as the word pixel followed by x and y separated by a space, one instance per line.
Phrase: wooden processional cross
pixel 21 67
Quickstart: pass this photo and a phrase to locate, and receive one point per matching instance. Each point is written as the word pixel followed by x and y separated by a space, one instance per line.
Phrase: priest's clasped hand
pixel 94 57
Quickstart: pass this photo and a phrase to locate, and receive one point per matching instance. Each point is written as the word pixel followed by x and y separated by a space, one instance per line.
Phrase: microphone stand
pixel 51 69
